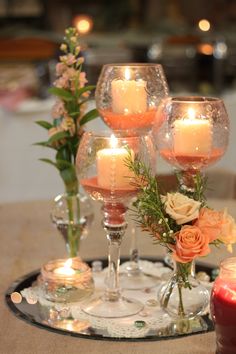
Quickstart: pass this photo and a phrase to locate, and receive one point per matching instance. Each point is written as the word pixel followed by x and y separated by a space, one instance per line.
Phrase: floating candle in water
pixel 66 269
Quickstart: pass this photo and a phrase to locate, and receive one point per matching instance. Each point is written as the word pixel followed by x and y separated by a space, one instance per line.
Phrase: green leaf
pixel 69 174
pixel 89 116
pixel 85 89
pixel 63 154
pixel 62 93
pixel 63 164
pixel 57 122
pixel 58 136
pixel 44 124
pixel 49 162
pixel 69 177
pixel 74 114
pixel 44 144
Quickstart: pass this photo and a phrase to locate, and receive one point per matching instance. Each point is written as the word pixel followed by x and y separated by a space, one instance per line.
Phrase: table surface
pixel 28 239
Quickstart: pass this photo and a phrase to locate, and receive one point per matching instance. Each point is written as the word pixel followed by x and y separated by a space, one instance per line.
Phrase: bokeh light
pixel 83 23
pixel 204 25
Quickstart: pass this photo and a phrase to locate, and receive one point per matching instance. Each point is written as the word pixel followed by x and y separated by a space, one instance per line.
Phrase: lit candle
pixel 129 96
pixel 112 173
pixel 66 269
pixel 192 136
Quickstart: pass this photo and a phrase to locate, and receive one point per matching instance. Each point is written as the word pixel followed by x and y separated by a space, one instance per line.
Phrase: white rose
pixel 180 207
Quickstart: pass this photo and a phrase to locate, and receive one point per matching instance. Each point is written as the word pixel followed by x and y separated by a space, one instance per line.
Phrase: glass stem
pixel 115 226
pixel 133 268
pixel 186 179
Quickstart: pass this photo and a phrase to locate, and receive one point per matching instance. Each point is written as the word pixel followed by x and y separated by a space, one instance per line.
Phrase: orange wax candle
pixel 192 136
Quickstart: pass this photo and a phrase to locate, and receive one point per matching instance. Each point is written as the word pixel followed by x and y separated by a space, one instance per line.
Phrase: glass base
pixel 137 282
pixel 112 309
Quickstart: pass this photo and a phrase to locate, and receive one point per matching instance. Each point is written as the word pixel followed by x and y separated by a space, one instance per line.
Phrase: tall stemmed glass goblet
pixel 103 173
pixel 191 133
pixel 128 97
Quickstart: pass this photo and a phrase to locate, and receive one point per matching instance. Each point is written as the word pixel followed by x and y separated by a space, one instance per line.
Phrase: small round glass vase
pixel 183 297
pixel 73 215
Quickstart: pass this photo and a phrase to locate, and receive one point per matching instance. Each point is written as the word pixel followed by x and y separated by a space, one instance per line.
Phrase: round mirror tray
pixel 26 300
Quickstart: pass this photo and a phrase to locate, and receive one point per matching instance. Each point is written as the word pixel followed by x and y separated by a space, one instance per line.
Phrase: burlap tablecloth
pixel 27 240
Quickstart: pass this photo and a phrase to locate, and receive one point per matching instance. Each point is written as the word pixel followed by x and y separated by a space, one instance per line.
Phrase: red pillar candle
pixel 223 307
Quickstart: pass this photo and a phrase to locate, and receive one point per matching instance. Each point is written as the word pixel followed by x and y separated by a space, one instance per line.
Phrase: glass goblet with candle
pixel 191 134
pixel 103 172
pixel 128 95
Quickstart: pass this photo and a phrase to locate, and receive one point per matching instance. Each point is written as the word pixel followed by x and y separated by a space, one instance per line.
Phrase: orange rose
pixel 191 243
pixel 228 230
pixel 210 222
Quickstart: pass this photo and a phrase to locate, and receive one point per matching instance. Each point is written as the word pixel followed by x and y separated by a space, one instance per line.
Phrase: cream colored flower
pixel 181 208
pixel 228 230
pixel 68 124
pixel 63 47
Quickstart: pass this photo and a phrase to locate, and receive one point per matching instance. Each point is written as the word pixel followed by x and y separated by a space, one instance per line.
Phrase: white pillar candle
pixel 129 96
pixel 192 136
pixel 112 172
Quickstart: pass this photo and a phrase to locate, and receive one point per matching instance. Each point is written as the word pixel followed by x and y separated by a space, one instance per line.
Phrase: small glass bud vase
pixel 66 280
pixel 72 213
pixel 183 297
pixel 223 307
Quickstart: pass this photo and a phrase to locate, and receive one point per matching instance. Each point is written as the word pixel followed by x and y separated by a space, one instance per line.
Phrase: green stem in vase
pixel 166 296
pixel 73 228
pixel 181 305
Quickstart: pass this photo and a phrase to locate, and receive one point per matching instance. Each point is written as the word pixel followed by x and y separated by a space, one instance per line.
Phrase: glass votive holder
pixel 66 280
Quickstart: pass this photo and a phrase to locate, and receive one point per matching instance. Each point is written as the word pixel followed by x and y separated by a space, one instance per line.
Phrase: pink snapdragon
pixel 58 109
pixel 68 59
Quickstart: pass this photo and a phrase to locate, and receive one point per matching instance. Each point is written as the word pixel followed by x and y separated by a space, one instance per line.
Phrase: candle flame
pixel 191 113
pixel 127 74
pixel 68 263
pixel 113 141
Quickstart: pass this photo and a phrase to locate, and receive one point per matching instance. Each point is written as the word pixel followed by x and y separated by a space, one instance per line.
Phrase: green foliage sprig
pixel 69 112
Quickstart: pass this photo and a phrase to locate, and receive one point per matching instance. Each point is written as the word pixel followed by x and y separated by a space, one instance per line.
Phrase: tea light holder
pixel 66 280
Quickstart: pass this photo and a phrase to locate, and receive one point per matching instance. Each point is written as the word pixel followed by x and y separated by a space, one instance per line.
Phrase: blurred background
pixel 195 41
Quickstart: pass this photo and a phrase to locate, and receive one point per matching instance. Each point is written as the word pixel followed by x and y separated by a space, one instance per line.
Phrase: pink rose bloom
pixel 210 222
pixel 228 230
pixel 191 243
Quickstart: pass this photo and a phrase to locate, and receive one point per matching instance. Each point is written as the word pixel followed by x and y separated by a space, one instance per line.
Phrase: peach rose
pixel 181 208
pixel 228 230
pixel 190 243
pixel 210 222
